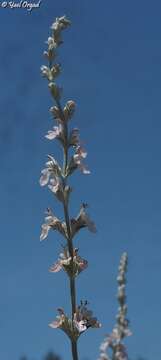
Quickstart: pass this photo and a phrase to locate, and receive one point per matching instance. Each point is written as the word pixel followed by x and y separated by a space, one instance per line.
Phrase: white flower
pixel 83 319
pixel 52 222
pixel 80 155
pixel 44 231
pixel 80 325
pixel 54 185
pixel 52 169
pixel 77 161
pixel 52 175
pixel 56 133
pixel 45 176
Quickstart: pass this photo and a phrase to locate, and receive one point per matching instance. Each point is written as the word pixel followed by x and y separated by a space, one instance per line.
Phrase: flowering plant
pixel 56 176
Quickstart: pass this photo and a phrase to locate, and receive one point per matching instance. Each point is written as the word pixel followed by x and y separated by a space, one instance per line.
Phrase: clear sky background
pixel 111 61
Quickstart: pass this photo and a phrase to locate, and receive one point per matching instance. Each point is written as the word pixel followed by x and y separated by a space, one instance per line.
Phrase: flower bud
pixel 51 43
pixel 67 192
pixel 55 112
pixel 50 54
pixel 64 22
pixel 61 23
pixel 55 91
pixel 69 109
pixel 55 70
pixel 46 72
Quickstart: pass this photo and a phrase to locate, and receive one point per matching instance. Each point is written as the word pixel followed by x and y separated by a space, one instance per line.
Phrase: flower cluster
pixel 73 266
pixel 121 329
pixel 61 115
pixel 55 40
pixel 83 320
pixel 81 221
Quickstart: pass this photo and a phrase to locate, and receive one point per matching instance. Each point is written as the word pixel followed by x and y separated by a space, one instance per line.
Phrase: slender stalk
pixel 74 350
pixel 69 239
pixel 72 279
pixel 73 295
pixel 51 72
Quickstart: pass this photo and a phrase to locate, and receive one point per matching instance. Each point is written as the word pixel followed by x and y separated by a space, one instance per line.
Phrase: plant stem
pixel 72 281
pixel 67 221
pixel 69 238
pixel 74 350
pixel 73 296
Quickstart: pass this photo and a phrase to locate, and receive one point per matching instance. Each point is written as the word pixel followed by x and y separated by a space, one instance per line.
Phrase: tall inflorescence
pixel 55 176
pixel 114 341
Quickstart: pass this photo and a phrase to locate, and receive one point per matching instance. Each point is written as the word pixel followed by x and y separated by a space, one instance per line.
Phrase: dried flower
pixel 81 221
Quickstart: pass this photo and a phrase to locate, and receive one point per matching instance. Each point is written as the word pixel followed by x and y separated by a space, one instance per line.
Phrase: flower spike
pixel 56 178
pixel 114 341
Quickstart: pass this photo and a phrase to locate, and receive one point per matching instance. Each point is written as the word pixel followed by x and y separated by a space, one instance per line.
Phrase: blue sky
pixel 111 61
